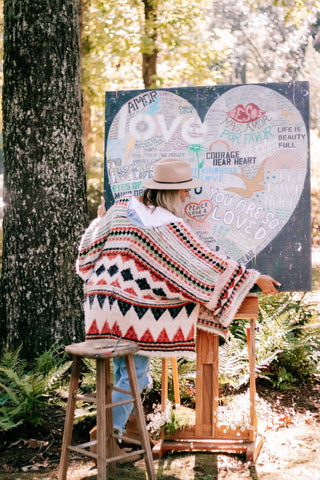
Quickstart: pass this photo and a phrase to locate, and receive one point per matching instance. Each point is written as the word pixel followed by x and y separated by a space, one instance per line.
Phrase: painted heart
pixel 250 151
pixel 199 211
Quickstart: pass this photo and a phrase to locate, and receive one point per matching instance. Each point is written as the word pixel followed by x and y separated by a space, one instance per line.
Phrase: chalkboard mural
pixel 249 145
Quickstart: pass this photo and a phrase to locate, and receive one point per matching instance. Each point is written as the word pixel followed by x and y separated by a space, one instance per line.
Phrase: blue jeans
pixel 120 378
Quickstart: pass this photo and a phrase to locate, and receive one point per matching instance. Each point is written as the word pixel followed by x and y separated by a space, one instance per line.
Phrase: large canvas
pixel 249 144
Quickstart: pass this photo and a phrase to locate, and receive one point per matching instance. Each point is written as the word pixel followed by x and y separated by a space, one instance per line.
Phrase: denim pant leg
pixel 120 377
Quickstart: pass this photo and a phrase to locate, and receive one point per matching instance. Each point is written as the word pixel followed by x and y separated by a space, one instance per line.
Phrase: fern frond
pixel 55 375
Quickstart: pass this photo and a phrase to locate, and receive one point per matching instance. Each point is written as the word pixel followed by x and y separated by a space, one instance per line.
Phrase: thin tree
pixel 149 43
pixel 44 175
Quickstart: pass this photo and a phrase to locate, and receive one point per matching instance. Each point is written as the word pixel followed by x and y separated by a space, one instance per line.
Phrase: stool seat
pixel 102 348
pixel 105 452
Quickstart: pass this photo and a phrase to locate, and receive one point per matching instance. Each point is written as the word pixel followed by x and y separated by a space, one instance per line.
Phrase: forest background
pixel 212 42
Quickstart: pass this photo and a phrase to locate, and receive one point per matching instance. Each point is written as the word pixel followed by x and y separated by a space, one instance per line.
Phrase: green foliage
pixel 287 339
pixel 114 40
pixel 181 417
pixel 287 349
pixel 25 389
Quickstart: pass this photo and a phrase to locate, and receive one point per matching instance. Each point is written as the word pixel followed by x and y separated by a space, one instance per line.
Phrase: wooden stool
pixel 103 351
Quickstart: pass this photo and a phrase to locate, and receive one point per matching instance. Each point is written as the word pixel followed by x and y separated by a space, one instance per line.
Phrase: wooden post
pixel 207 383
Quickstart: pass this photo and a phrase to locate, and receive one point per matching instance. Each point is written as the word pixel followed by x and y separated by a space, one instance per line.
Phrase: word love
pixel 143 126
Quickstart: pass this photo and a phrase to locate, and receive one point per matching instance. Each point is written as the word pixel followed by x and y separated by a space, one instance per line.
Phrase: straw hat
pixel 172 174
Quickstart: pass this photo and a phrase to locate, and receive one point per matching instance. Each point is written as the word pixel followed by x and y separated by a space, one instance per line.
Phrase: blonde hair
pixel 168 199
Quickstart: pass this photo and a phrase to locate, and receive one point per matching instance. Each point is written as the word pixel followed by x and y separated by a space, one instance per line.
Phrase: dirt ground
pixel 289 423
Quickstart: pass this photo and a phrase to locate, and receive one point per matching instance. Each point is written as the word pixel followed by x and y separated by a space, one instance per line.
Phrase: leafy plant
pixel 287 339
pixel 287 349
pixel 181 417
pixel 25 389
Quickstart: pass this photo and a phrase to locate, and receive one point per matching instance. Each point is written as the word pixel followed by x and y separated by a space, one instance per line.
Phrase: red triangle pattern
pixel 163 337
pixel 131 291
pixel 191 333
pixel 147 337
pixel 102 282
pixel 131 334
pixel 106 328
pixel 179 337
pixel 93 330
pixel 116 330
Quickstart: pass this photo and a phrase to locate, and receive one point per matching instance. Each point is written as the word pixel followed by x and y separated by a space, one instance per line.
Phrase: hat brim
pixel 150 183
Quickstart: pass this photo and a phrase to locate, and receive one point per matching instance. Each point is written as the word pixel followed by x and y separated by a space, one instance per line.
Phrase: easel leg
pixel 164 382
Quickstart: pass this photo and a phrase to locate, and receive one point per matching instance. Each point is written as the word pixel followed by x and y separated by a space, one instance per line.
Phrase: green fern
pixel 25 389
pixel 287 347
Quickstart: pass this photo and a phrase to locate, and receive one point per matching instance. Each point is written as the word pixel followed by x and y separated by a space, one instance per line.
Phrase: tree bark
pixel 150 51
pixel 44 175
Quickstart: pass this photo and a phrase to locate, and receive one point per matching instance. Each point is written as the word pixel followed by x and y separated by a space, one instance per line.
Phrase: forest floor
pixel 288 423
pixel 290 428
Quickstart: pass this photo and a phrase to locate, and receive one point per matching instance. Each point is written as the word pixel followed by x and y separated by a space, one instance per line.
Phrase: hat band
pixel 182 181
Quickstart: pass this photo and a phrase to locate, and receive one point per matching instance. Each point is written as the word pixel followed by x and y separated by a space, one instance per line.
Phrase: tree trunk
pixel 44 175
pixel 150 51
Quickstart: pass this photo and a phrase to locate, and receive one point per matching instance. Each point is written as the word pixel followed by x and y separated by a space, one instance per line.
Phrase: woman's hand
pixel 268 285
pixel 102 208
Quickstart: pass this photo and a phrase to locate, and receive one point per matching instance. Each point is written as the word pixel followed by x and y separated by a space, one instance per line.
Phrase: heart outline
pixel 198 205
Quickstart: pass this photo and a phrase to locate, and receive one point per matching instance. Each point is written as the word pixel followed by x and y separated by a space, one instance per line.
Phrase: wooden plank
pixel 207 382
pixel 207 445
pixel 249 308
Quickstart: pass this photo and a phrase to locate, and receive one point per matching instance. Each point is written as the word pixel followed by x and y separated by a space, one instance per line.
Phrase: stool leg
pixel 68 426
pixel 101 420
pixel 140 416
pixel 111 442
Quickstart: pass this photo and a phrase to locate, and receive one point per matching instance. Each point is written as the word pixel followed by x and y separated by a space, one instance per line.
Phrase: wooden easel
pixel 206 434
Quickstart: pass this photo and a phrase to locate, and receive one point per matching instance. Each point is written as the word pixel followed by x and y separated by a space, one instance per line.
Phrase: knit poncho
pixel 156 285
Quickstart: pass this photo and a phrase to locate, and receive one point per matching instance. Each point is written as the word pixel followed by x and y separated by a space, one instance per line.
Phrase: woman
pixel 151 280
